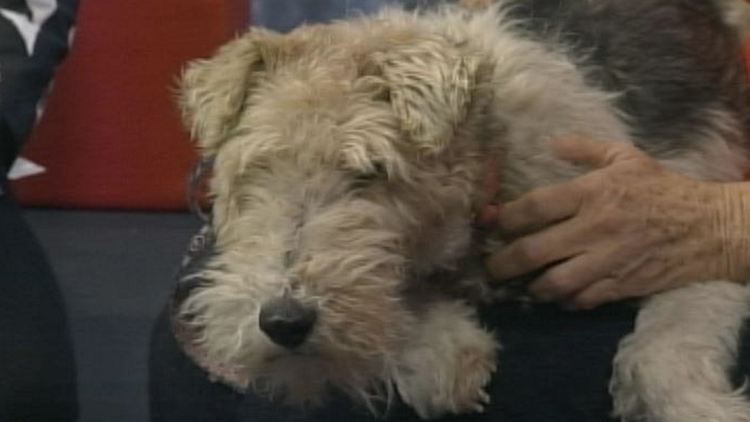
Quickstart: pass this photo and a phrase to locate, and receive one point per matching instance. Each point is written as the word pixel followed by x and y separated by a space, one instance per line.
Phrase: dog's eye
pixel 378 172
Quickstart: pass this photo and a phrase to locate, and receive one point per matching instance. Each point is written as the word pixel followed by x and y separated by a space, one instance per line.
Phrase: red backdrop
pixel 111 135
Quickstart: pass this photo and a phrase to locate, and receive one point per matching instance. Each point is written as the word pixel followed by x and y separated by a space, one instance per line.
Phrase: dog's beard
pixel 310 379
pixel 351 350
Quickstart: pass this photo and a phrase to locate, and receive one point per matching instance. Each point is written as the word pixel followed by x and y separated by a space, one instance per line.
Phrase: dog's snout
pixel 286 321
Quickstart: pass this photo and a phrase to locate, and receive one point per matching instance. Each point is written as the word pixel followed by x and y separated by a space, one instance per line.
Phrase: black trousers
pixel 37 371
pixel 554 367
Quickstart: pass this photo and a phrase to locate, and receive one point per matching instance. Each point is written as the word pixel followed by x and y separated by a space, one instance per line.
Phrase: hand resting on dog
pixel 628 228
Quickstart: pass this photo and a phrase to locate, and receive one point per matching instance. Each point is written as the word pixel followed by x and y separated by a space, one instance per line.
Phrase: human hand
pixel 628 228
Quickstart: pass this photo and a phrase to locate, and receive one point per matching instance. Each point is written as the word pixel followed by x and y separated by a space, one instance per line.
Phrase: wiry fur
pixel 348 160
pixel 674 367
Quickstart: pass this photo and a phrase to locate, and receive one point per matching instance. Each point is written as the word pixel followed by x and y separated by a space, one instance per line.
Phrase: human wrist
pixel 732 224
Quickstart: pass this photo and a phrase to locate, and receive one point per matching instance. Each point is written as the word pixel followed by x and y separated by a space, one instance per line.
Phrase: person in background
pixel 37 370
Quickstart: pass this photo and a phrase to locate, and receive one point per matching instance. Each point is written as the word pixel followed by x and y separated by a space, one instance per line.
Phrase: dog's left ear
pixel 430 84
pixel 213 91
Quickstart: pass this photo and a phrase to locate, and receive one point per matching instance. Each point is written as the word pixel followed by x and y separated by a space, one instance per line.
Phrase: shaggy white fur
pixel 348 160
pixel 447 363
pixel 674 366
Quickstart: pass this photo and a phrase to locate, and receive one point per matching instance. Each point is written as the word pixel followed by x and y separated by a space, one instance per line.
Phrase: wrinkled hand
pixel 628 228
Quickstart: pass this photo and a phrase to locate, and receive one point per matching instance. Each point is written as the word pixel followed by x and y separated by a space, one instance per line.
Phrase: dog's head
pixel 342 169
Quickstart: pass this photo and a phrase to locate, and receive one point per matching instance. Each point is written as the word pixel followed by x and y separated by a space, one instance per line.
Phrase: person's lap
pixel 37 374
pixel 554 366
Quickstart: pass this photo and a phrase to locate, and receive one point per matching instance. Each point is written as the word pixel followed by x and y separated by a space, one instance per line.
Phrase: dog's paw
pixel 473 372
pixel 436 385
pixel 674 367
pixel 448 369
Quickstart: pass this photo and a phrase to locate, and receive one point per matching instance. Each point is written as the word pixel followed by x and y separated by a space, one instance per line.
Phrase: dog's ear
pixel 213 91
pixel 429 83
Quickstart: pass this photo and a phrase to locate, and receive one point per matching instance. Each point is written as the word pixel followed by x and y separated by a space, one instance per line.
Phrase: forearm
pixel 732 222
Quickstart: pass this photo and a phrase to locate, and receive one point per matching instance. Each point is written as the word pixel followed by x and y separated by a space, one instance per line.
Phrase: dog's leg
pixel 675 366
pixel 448 363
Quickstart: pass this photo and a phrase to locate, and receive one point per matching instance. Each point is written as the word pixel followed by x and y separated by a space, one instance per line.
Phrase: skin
pixel 628 228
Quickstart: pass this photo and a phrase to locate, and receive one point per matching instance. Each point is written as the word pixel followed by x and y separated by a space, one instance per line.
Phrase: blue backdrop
pixel 285 14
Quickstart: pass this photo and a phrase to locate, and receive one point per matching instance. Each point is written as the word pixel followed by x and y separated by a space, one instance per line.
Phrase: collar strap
pixel 186 333
pixel 488 209
pixel 197 188
pixel 746 61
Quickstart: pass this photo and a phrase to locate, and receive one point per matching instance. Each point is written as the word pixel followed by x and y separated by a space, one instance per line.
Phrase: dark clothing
pixel 554 367
pixel 37 373
pixel 28 61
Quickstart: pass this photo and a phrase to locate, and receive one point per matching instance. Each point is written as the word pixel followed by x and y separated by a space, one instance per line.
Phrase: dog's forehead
pixel 318 102
pixel 321 93
pixel 316 69
pixel 314 114
pixel 344 49
pixel 328 73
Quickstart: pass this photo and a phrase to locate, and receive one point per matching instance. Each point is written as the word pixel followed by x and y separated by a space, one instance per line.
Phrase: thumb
pixel 588 152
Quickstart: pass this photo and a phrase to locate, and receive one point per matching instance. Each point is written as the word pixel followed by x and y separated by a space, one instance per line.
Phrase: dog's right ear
pixel 430 83
pixel 213 92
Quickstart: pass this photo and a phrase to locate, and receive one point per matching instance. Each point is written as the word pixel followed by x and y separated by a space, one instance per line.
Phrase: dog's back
pixel 675 67
pixel 676 62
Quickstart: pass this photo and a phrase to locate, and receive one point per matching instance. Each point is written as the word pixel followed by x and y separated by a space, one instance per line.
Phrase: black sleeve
pixel 37 371
pixel 34 37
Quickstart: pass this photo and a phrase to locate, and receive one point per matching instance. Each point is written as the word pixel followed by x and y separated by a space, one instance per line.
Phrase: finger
pixel 563 281
pixel 538 250
pixel 593 153
pixel 603 291
pixel 540 208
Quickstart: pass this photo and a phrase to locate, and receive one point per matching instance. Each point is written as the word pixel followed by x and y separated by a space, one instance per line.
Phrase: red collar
pixel 488 210
pixel 746 56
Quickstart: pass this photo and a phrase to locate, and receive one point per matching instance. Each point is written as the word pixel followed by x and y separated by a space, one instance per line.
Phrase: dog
pixel 348 161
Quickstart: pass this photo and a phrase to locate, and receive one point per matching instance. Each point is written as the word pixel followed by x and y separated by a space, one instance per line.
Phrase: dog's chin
pixel 294 378
pixel 307 377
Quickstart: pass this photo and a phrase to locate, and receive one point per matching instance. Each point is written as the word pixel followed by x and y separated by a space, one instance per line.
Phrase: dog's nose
pixel 286 321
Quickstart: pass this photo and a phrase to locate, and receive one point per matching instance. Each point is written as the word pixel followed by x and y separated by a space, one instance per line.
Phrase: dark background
pixel 285 14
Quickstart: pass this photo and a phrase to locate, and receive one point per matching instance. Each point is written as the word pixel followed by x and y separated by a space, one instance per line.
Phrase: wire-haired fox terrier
pixel 349 159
